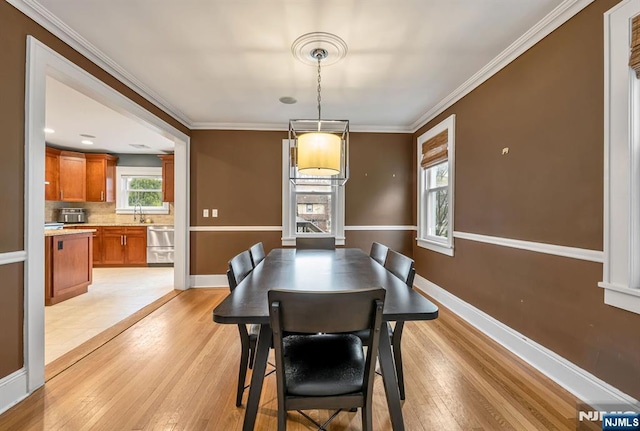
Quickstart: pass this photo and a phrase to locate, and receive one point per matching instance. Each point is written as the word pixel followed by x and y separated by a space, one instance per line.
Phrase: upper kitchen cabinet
pixel 167 177
pixel 52 174
pixel 101 176
pixel 72 177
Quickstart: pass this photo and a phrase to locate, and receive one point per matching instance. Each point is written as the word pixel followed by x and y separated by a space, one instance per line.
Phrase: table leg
pixel 390 380
pixel 259 367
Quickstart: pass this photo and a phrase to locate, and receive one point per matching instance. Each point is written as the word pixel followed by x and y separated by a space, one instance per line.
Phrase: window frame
pixel 424 240
pixel 621 242
pixel 122 205
pixel 289 206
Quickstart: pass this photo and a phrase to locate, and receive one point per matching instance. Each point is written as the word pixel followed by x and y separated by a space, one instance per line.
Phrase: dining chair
pixel 379 252
pixel 402 267
pixel 320 243
pixel 319 363
pixel 239 267
pixel 257 253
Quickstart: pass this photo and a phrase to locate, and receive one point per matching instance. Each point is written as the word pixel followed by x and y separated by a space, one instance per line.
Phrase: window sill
pixel 623 297
pixel 435 246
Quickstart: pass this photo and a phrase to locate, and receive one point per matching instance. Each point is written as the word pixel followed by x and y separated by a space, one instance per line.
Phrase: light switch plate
pixel 205 213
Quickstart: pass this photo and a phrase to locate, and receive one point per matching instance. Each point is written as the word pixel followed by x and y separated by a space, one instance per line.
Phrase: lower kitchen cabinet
pixel 68 266
pixel 123 246
pixel 97 242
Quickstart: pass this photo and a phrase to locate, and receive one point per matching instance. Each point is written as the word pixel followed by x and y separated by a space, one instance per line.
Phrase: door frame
pixel 42 61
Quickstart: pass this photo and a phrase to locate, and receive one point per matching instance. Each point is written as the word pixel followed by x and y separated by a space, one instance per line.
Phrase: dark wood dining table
pixel 320 270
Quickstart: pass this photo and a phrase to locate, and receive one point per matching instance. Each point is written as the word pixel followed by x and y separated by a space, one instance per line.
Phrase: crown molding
pixel 284 127
pixel 561 14
pixel 53 24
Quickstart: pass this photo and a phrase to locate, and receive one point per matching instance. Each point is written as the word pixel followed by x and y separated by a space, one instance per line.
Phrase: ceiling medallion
pixel 304 48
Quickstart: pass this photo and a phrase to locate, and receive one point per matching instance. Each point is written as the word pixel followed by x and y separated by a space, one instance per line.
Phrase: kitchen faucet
pixel 134 212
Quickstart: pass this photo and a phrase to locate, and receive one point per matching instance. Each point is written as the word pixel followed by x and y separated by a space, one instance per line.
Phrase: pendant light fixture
pixel 320 148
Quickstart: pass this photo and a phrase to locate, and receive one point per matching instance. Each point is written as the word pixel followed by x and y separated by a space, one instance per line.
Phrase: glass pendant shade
pixel 319 154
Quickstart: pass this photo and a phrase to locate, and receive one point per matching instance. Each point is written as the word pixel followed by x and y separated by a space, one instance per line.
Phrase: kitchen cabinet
pixel 51 174
pixel 101 177
pixel 68 265
pixel 72 170
pixel 167 177
pixel 97 242
pixel 124 246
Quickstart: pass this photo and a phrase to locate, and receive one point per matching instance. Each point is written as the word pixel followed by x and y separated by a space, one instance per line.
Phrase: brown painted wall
pixel 14 28
pixel 11 316
pixel 547 107
pixel 240 174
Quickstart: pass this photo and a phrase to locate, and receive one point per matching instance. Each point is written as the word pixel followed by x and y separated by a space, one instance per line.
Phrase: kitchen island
pixel 68 265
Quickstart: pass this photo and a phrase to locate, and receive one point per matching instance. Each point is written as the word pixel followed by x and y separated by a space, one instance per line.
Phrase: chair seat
pixel 323 364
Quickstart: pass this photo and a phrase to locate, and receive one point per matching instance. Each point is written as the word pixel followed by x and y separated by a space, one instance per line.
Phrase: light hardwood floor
pixel 176 370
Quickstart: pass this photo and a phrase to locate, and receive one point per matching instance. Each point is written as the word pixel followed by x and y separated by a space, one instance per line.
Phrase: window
pixel 435 187
pixel 621 269
pixel 315 208
pixel 140 186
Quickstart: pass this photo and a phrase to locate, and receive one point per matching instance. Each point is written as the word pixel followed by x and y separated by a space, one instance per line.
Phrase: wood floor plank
pixel 176 370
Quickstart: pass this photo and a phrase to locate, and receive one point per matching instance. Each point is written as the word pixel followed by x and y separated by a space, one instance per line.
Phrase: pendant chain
pixel 319 88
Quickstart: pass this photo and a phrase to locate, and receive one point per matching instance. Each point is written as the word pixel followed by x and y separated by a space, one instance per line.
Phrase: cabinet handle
pixel 61 195
pixel 102 195
pixel 121 239
pixel 125 240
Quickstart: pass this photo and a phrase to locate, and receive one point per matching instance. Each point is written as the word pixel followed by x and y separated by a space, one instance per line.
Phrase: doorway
pixel 43 62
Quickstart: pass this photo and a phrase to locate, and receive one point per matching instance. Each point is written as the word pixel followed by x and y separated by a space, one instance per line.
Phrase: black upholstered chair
pixel 319 363
pixel 379 252
pixel 320 243
pixel 402 267
pixel 239 267
pixel 257 253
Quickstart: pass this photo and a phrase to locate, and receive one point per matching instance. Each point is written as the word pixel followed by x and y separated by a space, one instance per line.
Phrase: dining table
pixel 320 270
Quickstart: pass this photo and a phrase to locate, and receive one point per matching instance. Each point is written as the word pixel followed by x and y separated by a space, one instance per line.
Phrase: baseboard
pixel 213 280
pixel 13 389
pixel 574 379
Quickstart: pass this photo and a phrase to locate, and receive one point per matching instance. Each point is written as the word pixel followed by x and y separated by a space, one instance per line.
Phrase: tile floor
pixel 114 294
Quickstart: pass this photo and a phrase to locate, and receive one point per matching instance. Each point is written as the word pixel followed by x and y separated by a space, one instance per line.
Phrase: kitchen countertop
pixel 118 224
pixel 57 232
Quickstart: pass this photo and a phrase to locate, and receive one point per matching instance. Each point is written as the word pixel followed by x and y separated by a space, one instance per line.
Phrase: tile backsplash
pixel 102 212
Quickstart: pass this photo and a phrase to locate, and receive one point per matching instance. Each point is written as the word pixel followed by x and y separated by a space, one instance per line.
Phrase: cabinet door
pixel 101 172
pixel 51 173
pixel 71 264
pixel 73 172
pixel 97 246
pixel 112 246
pixel 136 246
pixel 167 178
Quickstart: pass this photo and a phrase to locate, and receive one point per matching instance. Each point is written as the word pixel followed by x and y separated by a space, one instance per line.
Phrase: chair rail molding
pixel 538 247
pixel 13 257
pixel 235 229
pixel 584 385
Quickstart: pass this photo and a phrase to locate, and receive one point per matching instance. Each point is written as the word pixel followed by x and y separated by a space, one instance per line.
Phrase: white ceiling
pixel 70 113
pixel 225 63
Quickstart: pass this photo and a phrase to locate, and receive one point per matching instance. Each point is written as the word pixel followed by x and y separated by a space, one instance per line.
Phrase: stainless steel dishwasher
pixel 160 245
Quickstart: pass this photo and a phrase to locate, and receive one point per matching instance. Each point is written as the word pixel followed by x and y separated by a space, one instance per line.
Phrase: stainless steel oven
pixel 160 245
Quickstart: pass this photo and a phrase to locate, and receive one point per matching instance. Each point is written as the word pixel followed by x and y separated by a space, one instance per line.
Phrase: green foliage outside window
pixel 145 191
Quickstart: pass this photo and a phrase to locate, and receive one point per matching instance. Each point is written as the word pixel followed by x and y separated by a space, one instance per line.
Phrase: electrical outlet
pixel 205 213
pixel 214 213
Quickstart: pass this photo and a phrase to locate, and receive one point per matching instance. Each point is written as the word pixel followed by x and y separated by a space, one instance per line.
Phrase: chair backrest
pixel 257 253
pixel 239 267
pixel 379 252
pixel 401 266
pixel 327 313
pixel 320 243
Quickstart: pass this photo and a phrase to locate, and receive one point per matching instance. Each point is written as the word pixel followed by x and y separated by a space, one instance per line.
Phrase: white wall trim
pixel 13 257
pixel 235 228
pixel 539 247
pixel 13 389
pixel 212 280
pixel 46 19
pixel 381 227
pixel 579 382
pixel 561 14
